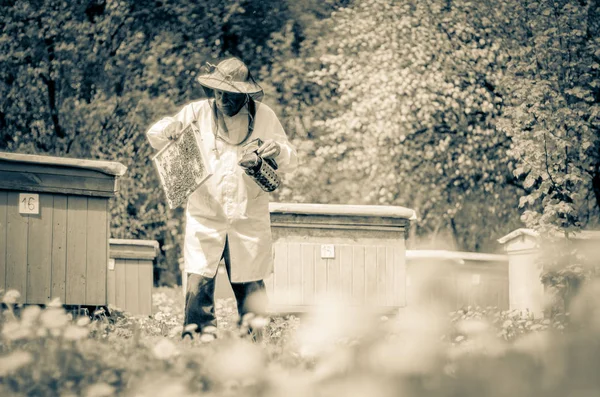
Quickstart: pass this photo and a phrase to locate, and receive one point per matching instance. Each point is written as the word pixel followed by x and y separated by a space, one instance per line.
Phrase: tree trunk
pixel 596 185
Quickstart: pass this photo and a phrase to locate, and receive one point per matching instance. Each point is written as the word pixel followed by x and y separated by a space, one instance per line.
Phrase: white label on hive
pixel 29 203
pixel 476 279
pixel 111 264
pixel 327 251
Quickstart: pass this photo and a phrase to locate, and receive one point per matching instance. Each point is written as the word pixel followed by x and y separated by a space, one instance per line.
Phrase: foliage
pixel 401 101
pixel 419 351
pixel 552 110
pixel 508 325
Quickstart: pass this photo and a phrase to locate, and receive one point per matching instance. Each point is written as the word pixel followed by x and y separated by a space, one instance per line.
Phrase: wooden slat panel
pixel 308 274
pixel 400 274
pixel 381 274
pixel 280 289
pixel 76 250
pixel 371 275
pixel 358 275
pixel 39 252
pixel 16 243
pixel 295 274
pixel 320 274
pixel 97 251
pixel 132 289
pixel 59 248
pixel 334 280
pixel 390 288
pixel 121 284
pixel 111 285
pixel 3 231
pixel 145 282
pixel 346 269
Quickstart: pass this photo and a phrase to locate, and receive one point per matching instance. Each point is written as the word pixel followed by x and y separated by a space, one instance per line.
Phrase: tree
pixel 552 112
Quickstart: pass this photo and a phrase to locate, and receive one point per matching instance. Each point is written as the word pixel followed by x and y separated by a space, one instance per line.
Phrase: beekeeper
pixel 228 216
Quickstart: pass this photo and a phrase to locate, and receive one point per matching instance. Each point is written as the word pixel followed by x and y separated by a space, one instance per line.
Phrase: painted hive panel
pixel 17 228
pixel 97 251
pixel 76 250
pixel 39 252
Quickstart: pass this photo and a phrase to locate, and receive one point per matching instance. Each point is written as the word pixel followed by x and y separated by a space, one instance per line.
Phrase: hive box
pixel 351 254
pixel 54 227
pixel 131 275
pixel 456 279
pixel 526 291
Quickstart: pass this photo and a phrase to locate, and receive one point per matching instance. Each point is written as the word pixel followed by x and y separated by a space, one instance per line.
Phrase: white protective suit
pixel 229 204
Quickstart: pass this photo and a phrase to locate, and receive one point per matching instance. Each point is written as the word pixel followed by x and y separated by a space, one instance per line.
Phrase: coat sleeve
pixel 156 135
pixel 287 160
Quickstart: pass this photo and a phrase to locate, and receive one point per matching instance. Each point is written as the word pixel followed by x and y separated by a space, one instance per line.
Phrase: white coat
pixel 229 204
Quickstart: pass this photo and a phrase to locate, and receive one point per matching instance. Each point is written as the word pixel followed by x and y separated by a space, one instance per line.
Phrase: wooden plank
pixel 358 275
pixel 389 276
pixel 121 284
pixel 145 280
pixel 111 285
pixel 295 274
pixel 59 248
pixel 16 243
pixel 320 274
pixel 371 275
pixel 308 274
pixel 399 274
pixel 132 290
pixel 334 281
pixel 76 250
pixel 3 234
pixel 65 184
pixel 381 273
pixel 39 252
pixel 281 282
pixel 346 269
pixel 97 250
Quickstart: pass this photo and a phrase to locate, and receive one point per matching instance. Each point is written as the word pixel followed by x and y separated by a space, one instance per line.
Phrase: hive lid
pixel 581 235
pixel 343 209
pixel 106 167
pixel 458 256
pixel 133 249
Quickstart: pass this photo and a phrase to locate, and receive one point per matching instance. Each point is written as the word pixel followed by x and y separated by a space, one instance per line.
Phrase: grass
pixel 331 352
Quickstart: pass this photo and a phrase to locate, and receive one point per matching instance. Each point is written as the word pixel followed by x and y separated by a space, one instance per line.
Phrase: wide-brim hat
pixel 231 75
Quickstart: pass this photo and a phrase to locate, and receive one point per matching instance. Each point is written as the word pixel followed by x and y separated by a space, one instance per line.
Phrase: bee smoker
pixel 262 171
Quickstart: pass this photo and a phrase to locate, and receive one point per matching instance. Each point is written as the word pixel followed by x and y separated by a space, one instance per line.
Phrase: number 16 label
pixel 29 203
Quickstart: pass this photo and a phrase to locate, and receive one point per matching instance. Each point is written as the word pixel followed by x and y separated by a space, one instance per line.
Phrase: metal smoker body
pixel 261 170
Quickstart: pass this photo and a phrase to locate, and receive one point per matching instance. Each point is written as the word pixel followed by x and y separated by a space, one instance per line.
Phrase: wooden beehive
pixel 457 279
pixel 349 253
pixel 54 227
pixel 527 293
pixel 131 275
